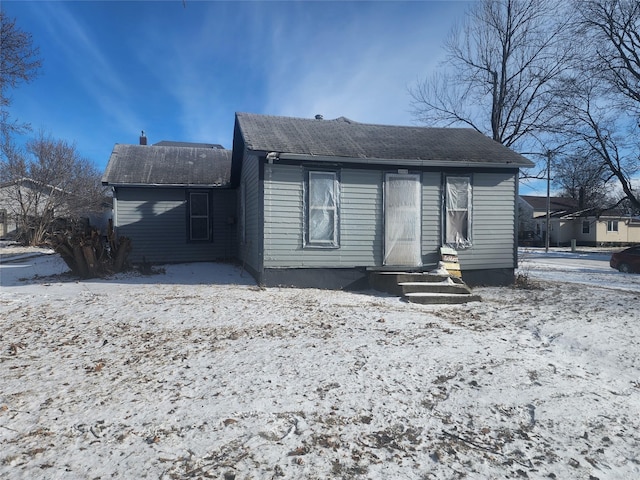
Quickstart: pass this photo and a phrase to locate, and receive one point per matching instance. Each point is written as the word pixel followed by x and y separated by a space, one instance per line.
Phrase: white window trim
pixel 467 243
pixel 322 243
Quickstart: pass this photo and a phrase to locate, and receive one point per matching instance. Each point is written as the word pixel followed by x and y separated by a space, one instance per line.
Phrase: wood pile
pixel 89 254
pixel 449 257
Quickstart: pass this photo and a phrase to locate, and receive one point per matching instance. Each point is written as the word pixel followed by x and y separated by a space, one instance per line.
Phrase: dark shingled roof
pixel 168 165
pixel 345 138
pixel 172 143
pixel 556 204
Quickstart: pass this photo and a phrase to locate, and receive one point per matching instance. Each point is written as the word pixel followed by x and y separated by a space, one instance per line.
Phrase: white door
pixel 402 220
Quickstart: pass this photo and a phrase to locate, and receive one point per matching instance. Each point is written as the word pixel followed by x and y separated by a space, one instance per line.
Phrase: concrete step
pixel 426 288
pixel 389 281
pixel 445 286
pixel 441 298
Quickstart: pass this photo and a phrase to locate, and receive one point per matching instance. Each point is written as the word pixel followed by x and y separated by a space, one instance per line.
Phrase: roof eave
pixel 169 185
pixel 412 162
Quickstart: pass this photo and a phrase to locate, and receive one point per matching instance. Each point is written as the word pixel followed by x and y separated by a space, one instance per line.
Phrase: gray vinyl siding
pixel 431 217
pixel 156 221
pixel 283 216
pixel 250 252
pixel 360 236
pixel 493 222
pixel 361 220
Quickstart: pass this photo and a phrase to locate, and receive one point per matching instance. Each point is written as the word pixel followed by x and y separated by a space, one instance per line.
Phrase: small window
pixel 585 226
pixel 458 208
pixel 612 225
pixel 199 217
pixel 322 209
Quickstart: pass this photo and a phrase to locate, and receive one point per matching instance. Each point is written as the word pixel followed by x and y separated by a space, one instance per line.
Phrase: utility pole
pixel 546 241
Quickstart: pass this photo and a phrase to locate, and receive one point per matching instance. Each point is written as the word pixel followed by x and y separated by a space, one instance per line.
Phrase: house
pixel 29 207
pixel 599 228
pixel 533 215
pixel 587 227
pixel 324 202
pixel 174 200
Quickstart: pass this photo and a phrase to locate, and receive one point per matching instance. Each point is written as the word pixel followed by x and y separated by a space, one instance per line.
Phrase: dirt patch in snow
pixel 197 373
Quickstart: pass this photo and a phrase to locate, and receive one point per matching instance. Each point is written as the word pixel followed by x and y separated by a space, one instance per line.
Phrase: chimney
pixel 319 117
pixel 143 139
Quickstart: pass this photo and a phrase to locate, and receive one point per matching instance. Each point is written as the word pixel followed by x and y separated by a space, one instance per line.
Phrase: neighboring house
pixel 174 200
pixel 324 202
pixel 589 227
pixel 34 198
pixel 595 228
pixel 533 216
pixel 607 228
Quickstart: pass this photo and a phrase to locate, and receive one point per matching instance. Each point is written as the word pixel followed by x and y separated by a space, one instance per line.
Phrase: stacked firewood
pixel 89 254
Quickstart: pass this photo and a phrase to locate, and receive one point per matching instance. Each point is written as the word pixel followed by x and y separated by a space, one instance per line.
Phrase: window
pixel 612 225
pixel 585 226
pixel 199 217
pixel 322 209
pixel 458 209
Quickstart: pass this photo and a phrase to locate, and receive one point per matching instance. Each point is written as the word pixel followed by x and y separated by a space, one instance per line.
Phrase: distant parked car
pixel 627 260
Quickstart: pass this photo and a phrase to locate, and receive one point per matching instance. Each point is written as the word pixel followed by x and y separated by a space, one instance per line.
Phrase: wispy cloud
pixel 90 68
pixel 292 58
pixel 189 61
pixel 115 68
pixel 360 66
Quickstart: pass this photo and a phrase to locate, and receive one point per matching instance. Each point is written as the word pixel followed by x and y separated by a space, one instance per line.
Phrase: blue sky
pixel 179 72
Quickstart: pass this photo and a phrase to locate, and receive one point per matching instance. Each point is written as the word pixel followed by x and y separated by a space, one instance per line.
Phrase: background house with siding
pixel 29 202
pixel 606 228
pixel 595 228
pixel 323 202
pixel 174 200
pixel 533 216
pixel 588 227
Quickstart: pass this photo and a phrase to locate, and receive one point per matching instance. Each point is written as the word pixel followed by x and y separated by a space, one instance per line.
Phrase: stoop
pixel 425 288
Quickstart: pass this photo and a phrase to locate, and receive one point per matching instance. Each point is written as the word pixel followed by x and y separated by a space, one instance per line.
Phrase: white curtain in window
pixel 458 207
pixel 322 208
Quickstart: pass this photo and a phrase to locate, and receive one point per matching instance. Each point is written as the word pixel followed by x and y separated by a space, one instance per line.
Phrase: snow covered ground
pixel 198 373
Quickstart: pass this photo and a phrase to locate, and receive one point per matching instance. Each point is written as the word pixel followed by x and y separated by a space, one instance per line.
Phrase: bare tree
pixel 607 136
pixel 19 63
pixel 584 180
pixel 500 71
pixel 47 182
pixel 613 28
pixel 600 101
